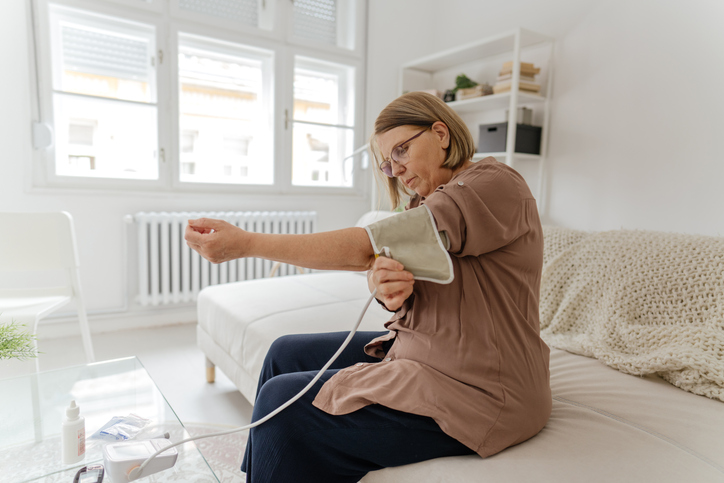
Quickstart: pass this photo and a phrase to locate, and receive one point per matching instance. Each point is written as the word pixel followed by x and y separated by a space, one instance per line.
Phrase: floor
pixel 171 358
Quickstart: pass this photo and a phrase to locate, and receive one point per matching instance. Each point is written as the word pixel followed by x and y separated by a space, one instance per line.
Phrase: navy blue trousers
pixel 305 444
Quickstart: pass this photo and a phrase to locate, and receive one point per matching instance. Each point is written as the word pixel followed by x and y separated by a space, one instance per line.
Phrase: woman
pixel 461 369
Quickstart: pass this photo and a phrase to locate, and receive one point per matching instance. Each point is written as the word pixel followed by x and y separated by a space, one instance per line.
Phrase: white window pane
pixel 323 92
pixel 109 62
pixel 225 116
pixel 316 97
pixel 318 156
pixel 101 56
pixel 104 139
pixel 323 132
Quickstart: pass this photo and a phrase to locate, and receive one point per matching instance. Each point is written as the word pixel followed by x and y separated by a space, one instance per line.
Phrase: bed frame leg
pixel 210 371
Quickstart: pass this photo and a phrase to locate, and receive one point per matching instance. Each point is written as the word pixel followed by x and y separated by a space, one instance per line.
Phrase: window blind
pixel 98 53
pixel 316 20
pixel 245 12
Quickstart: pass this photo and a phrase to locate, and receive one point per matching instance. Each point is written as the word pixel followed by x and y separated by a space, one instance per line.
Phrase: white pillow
pixel 372 217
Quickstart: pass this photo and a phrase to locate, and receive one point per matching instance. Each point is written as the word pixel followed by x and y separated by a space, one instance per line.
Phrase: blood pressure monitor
pixel 122 457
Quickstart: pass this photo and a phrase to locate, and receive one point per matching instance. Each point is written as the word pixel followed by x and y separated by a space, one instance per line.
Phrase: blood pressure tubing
pixel 138 470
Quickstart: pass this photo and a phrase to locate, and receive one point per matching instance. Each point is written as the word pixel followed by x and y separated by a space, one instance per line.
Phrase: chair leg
pixel 35 348
pixel 83 319
pixel 210 371
pixel 37 418
pixel 85 334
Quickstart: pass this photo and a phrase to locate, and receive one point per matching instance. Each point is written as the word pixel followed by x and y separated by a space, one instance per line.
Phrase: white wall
pixel 397 32
pixel 638 103
pixel 99 216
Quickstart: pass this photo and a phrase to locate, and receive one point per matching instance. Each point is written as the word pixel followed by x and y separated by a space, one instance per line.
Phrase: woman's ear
pixel 442 132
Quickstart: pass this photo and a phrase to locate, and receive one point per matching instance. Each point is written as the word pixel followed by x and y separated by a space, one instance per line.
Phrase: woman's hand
pixel 392 281
pixel 215 240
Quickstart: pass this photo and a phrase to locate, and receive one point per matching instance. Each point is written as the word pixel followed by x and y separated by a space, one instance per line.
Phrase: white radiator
pixel 169 272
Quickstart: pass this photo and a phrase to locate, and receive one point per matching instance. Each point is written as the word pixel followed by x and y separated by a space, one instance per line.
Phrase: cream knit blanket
pixel 641 302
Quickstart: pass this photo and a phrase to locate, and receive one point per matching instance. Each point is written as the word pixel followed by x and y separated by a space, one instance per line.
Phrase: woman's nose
pixel 397 169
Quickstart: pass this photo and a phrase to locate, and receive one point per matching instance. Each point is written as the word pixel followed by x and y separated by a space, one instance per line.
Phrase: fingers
pixel 393 283
pixel 395 301
pixel 194 235
pixel 389 289
pixel 204 225
pixel 215 240
pixel 387 263
pixel 388 270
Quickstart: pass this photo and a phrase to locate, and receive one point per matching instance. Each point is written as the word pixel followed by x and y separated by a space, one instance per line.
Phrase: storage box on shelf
pixel 493 138
pixel 499 59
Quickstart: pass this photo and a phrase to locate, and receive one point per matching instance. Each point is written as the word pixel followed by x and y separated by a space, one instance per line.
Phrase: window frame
pixel 179 185
pixel 124 27
pixel 359 186
pixel 320 67
pixel 168 25
pixel 44 175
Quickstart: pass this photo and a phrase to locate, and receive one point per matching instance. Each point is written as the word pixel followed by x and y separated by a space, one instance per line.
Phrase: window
pixel 191 94
pixel 323 124
pixel 225 113
pixel 104 96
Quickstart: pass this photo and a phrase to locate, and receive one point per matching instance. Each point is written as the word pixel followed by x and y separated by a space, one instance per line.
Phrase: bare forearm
pixel 347 249
pixel 219 241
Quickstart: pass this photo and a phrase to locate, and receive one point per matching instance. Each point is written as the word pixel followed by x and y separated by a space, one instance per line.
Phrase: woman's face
pixel 421 158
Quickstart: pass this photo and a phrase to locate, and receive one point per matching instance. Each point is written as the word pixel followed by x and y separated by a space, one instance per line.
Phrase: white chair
pixel 40 242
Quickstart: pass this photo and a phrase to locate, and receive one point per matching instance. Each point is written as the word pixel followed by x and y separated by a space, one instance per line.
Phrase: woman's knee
pixel 277 391
pixel 281 346
pixel 282 356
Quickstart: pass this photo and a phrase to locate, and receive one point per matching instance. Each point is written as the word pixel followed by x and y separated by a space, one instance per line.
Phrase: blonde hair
pixel 421 109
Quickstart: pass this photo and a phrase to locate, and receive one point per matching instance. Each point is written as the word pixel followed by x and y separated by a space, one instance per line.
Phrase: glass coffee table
pixel 32 408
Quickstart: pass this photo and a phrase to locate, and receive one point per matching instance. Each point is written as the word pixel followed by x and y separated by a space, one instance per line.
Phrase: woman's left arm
pixel 219 241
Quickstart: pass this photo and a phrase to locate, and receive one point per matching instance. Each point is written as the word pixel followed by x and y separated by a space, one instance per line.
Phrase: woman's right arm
pixel 393 283
pixel 219 241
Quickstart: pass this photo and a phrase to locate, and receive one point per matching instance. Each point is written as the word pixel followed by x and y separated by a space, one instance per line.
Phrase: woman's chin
pixel 422 193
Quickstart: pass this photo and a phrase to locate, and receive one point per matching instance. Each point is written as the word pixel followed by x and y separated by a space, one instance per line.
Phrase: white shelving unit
pixel 437 72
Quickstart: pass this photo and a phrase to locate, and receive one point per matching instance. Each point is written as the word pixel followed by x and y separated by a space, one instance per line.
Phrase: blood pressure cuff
pixel 413 240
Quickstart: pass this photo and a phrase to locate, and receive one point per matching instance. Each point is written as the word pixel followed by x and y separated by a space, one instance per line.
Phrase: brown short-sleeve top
pixel 467 354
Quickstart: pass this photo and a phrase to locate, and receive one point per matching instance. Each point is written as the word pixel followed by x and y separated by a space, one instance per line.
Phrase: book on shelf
pixel 527 73
pixel 528 86
pixel 525 68
pixel 506 88
pixel 523 65
pixel 523 78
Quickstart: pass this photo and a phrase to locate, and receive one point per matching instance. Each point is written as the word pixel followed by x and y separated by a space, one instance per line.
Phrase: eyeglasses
pixel 399 155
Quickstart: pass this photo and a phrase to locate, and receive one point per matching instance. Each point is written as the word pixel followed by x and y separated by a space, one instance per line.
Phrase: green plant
pixel 15 343
pixel 463 82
